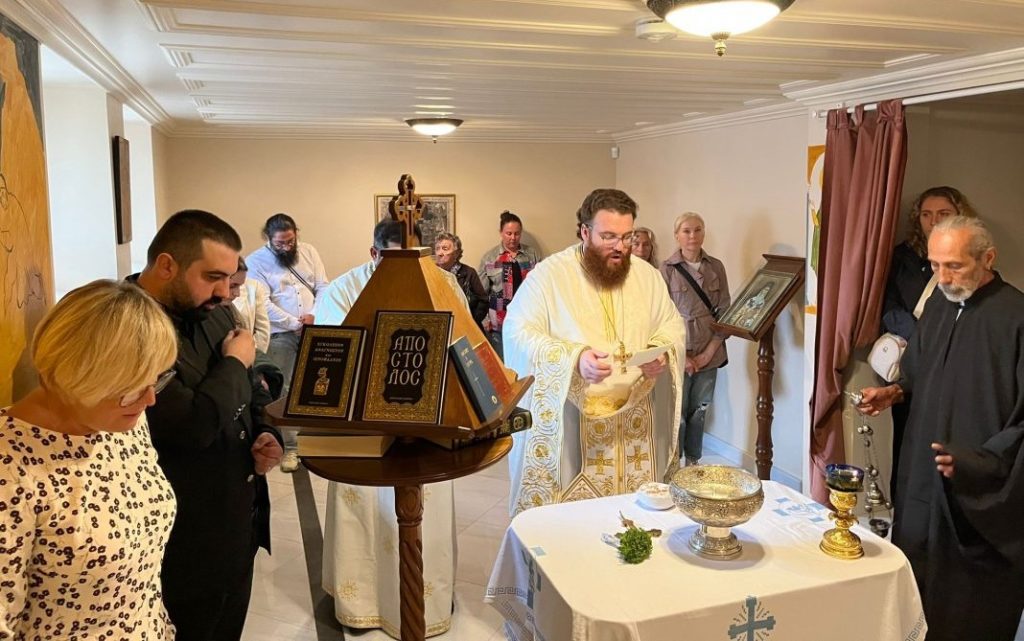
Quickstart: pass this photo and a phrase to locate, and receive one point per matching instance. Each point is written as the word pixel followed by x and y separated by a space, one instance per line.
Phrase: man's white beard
pixel 957 293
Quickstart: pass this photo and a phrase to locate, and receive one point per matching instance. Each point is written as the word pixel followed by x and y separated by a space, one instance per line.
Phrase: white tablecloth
pixel 555 579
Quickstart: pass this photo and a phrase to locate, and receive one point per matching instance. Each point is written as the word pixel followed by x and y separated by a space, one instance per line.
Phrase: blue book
pixel 474 378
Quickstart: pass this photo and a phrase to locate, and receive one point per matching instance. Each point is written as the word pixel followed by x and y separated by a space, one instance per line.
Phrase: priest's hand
pixel 944 461
pixel 875 399
pixel 591 366
pixel 266 452
pixel 655 367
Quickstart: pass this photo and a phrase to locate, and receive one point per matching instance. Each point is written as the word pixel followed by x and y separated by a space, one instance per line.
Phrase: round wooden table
pixel 408 464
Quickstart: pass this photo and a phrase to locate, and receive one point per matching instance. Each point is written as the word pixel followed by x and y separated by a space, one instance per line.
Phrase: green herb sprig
pixel 635 544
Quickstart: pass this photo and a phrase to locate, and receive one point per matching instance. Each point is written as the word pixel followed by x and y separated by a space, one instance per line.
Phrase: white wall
pixel 329 186
pixel 748 182
pixel 140 139
pixel 80 184
pixel 115 127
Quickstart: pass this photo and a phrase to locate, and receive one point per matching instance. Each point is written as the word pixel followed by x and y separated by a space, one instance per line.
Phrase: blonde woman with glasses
pixel 86 510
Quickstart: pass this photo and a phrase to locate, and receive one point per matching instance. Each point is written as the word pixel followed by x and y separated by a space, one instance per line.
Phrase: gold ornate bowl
pixel 717 497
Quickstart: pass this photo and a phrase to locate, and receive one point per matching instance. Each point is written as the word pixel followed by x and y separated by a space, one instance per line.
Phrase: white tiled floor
pixel 282 610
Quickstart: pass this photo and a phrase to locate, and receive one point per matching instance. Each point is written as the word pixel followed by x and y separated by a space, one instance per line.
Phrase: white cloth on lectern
pixel 360 560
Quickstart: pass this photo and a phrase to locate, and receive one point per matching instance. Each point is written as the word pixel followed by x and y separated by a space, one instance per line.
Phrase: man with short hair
pixel 600 426
pixel 360 531
pixel 294 275
pixel 206 427
pixel 502 270
pixel 960 502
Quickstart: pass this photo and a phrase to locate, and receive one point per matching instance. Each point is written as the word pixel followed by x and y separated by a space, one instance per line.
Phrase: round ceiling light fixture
pixel 434 127
pixel 717 19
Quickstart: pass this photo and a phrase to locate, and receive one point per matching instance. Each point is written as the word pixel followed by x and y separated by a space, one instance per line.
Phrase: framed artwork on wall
pixel 122 190
pixel 438 214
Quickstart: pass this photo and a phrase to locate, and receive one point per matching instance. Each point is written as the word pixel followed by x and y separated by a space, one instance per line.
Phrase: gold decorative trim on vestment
pixel 433 629
pixel 542 455
pixel 618 452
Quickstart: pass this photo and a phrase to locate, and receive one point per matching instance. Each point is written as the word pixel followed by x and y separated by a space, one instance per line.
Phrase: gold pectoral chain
pixel 620 355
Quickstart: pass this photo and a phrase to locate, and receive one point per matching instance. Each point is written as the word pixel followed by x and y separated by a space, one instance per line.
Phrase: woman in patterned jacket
pixel 85 511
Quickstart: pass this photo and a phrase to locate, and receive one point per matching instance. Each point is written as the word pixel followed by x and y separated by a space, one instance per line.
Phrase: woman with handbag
pixel 700 290
pixel 909 286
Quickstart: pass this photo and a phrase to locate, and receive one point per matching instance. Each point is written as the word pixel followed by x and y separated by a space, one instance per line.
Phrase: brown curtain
pixel 865 157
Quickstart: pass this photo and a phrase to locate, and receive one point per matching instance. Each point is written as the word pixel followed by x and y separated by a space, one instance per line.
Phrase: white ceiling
pixel 553 70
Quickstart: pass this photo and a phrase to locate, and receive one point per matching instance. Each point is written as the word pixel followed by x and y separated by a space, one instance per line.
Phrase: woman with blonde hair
pixel 87 510
pixel 698 286
pixel 645 247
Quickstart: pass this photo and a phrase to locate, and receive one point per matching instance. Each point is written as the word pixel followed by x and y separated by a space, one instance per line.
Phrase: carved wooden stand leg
pixel 765 403
pixel 409 508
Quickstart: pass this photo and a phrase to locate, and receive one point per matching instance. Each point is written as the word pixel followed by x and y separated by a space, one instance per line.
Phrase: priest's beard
pixel 179 302
pixel 286 257
pixel 600 271
pixel 960 293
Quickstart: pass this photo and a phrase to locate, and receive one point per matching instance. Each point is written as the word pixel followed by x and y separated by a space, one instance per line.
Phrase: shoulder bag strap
pixel 303 281
pixel 697 288
pixel 925 295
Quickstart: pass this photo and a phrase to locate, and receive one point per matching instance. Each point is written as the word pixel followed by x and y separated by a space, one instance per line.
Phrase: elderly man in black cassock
pixel 960 508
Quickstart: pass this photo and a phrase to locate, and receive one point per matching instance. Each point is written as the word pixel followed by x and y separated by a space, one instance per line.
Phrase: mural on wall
pixel 26 271
pixel 815 181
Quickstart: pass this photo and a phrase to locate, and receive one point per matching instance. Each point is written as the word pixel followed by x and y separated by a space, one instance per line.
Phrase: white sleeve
pixel 261 323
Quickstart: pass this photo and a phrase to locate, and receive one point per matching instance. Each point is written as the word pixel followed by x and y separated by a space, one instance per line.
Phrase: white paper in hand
pixel 646 356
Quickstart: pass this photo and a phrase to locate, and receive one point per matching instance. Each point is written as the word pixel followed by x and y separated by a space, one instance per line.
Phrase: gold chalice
pixel 844 481
pixel 717 497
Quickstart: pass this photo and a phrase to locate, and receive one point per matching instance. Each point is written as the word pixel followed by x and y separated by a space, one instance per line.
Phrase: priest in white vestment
pixel 360 559
pixel 599 427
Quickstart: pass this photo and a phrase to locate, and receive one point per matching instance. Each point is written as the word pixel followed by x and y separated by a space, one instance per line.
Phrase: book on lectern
pixel 475 381
pixel 495 372
pixel 408 367
pixel 326 371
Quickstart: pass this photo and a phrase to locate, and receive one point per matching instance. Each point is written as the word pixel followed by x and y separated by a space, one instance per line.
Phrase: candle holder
pixel 844 481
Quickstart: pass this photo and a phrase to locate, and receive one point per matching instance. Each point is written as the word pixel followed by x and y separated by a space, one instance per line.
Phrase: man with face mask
pixel 960 502
pixel 600 427
pixel 294 275
pixel 207 428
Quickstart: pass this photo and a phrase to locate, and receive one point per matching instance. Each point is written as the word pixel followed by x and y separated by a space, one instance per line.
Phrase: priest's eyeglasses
pixel 608 239
pixel 161 382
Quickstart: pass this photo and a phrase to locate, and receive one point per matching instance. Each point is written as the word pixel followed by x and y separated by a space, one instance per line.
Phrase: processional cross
pixel 407 208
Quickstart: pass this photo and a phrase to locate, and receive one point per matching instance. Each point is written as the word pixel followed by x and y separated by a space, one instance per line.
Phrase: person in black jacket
pixel 207 430
pixel 909 274
pixel 448 256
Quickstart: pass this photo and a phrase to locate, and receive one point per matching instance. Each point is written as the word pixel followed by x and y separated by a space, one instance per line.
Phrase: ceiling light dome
pixel 718 19
pixel 434 127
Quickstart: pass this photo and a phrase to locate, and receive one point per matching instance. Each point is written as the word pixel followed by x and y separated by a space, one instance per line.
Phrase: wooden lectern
pixel 752 316
pixel 408 280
